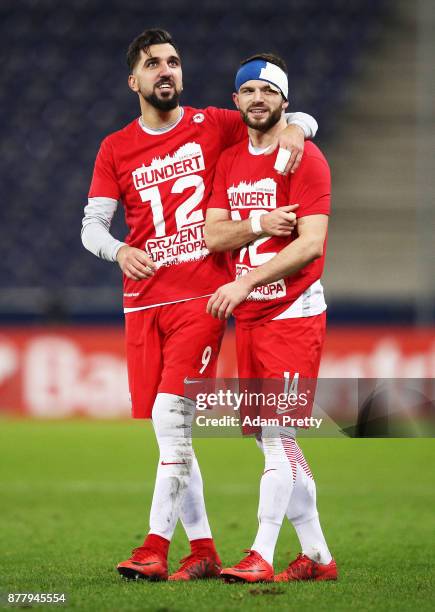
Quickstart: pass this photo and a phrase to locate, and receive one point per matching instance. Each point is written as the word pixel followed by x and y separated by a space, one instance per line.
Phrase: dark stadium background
pixel 353 64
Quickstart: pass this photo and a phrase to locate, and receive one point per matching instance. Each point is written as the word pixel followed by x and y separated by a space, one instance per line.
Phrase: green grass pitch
pixel 75 497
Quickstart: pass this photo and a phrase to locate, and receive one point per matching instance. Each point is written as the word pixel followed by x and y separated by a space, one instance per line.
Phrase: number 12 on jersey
pixel 185 213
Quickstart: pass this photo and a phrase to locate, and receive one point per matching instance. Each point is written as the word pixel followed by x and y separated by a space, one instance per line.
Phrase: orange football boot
pixel 304 568
pixel 253 568
pixel 198 565
pixel 144 564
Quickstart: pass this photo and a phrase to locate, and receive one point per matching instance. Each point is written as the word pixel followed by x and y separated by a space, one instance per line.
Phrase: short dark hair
pixel 152 36
pixel 267 57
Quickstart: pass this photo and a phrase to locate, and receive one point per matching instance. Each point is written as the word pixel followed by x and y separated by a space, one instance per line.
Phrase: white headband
pixel 261 70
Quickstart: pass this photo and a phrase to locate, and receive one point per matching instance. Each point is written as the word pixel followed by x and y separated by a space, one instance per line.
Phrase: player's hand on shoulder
pixel 280 222
pixel 291 138
pixel 135 263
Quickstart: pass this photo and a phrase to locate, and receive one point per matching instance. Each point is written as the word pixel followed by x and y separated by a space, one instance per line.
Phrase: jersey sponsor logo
pixel 259 194
pixel 188 159
pixel 187 244
pixel 272 291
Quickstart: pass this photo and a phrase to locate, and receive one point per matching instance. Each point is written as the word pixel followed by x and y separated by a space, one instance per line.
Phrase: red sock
pixel 157 543
pixel 203 544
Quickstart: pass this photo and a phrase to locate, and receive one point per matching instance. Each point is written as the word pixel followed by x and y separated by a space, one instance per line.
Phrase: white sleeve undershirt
pixel 304 121
pixel 95 228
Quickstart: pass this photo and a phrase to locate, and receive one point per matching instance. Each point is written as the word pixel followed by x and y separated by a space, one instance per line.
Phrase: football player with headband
pixel 277 299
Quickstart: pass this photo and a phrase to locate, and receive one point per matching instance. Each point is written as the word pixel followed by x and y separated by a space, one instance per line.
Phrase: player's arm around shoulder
pixel 300 126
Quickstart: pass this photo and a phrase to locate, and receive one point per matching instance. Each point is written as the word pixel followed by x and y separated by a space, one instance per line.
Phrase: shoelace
pixel 193 558
pixel 246 563
pixel 187 561
pixel 298 564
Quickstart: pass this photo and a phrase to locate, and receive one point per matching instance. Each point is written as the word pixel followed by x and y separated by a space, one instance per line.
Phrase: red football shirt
pixel 247 184
pixel 164 181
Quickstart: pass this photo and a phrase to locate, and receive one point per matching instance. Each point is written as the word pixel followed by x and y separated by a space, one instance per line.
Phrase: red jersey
pixel 247 184
pixel 164 181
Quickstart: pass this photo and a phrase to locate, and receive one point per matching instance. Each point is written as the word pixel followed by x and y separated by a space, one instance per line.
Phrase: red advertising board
pixel 72 371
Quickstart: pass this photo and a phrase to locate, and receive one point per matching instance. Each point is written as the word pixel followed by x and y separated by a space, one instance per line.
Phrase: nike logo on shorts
pixel 284 410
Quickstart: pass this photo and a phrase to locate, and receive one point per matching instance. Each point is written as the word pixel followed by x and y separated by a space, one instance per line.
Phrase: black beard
pixel 272 120
pixel 163 105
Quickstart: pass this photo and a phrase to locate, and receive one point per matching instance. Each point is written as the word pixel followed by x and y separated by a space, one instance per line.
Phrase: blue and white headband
pixel 262 71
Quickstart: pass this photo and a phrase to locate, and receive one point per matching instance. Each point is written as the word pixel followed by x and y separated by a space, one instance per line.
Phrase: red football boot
pixel 198 565
pixel 148 562
pixel 304 568
pixel 253 568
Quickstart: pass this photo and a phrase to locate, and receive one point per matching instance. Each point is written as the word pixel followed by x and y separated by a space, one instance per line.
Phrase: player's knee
pixel 172 415
pixel 277 489
pixel 172 425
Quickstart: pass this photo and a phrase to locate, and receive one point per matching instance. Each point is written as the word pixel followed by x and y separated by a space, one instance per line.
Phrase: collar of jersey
pixel 256 150
pixel 163 130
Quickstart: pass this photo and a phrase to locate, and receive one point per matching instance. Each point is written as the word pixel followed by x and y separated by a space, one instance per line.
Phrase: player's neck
pixel 265 139
pixel 156 119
